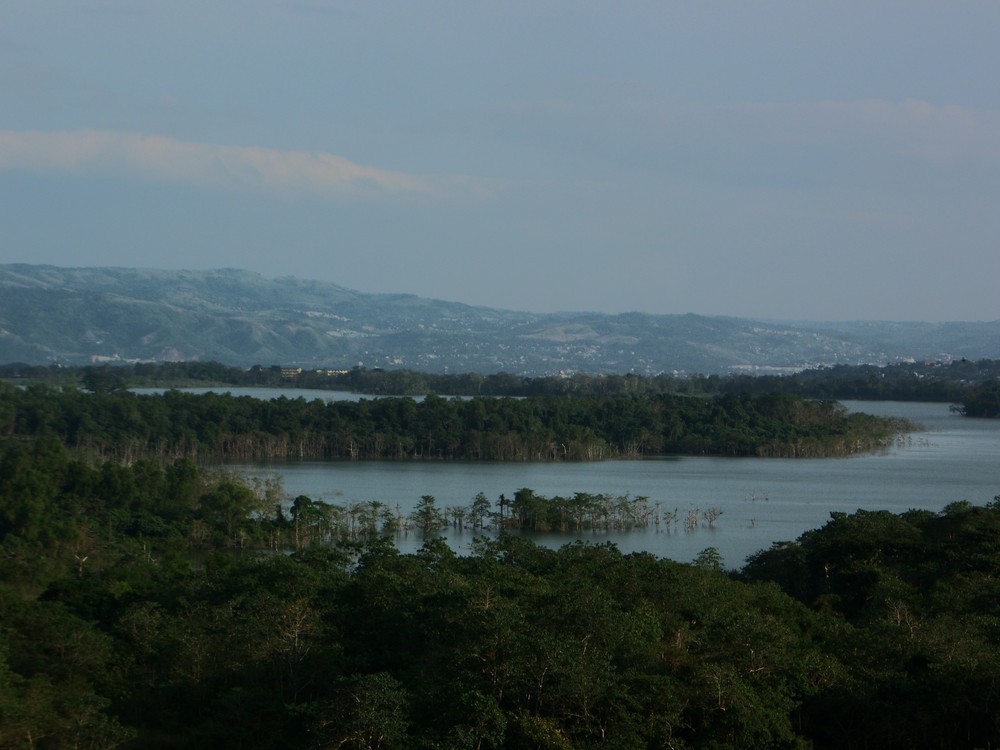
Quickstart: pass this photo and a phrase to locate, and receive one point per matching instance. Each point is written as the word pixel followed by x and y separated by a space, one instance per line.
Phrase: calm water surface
pixel 762 500
pixel 309 394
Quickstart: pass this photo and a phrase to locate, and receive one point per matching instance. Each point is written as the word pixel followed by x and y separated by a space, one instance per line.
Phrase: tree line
pixel 953 381
pixel 142 608
pixel 982 401
pixel 541 428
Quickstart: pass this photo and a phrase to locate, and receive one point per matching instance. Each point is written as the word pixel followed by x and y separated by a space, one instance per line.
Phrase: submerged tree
pixel 427 517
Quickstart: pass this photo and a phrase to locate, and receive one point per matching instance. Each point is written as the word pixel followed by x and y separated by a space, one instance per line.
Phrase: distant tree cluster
pixel 542 428
pixel 142 608
pixel 982 401
pixel 904 381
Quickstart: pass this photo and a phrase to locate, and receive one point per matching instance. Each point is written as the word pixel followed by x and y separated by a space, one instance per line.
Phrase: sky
pixel 774 159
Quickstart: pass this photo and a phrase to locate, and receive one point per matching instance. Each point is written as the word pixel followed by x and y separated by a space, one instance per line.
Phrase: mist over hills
pixel 82 315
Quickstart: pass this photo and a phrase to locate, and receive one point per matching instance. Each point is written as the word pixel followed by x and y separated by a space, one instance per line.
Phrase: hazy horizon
pixel 278 278
pixel 773 161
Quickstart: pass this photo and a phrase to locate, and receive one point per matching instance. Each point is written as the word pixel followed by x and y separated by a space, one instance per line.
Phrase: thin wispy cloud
pixel 162 159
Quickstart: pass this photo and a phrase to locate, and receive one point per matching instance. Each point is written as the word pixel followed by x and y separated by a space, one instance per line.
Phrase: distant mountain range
pixel 81 315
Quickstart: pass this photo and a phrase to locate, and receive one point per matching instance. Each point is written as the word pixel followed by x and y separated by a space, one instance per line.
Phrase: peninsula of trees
pixel 538 428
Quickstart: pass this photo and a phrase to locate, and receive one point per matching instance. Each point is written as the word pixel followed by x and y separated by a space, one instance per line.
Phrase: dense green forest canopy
pixel 905 381
pixel 147 602
pixel 158 605
pixel 982 401
pixel 112 421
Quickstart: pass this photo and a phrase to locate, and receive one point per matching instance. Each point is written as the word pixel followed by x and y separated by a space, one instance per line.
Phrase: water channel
pixel 762 500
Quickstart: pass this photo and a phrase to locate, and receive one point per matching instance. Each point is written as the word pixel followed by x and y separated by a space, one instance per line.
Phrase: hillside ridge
pixel 55 315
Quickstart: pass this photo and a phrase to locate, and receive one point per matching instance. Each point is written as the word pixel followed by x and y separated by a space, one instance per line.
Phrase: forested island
pixel 148 605
pixel 537 428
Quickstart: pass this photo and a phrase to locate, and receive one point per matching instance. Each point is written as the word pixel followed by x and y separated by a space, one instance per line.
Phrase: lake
pixel 762 500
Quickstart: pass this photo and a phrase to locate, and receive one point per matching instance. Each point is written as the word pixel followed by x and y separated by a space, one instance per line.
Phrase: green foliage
pixel 915 602
pixel 903 381
pixel 124 426
pixel 427 518
pixel 709 559
pixel 57 678
pixel 363 712
pixel 153 605
pixel 982 401
pixel 103 380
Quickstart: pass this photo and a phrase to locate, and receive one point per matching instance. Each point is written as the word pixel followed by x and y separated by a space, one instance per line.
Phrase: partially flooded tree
pixel 427 517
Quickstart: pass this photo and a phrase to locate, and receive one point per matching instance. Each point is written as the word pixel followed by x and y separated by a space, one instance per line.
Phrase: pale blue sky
pixel 775 159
